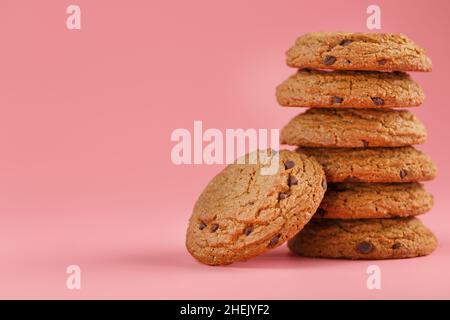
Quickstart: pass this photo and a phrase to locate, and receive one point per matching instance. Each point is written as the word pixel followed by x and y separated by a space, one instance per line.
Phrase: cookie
pixel 349 89
pixel 374 200
pixel 401 164
pixel 364 239
pixel 242 213
pixel 357 51
pixel 353 128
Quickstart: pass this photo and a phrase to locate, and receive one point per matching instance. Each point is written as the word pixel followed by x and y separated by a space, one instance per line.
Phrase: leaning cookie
pixel 364 239
pixel 374 200
pixel 357 51
pixel 349 89
pixel 352 128
pixel 401 164
pixel 243 213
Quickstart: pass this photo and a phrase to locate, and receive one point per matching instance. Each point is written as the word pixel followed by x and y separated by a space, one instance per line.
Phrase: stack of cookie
pixel 364 143
pixel 354 138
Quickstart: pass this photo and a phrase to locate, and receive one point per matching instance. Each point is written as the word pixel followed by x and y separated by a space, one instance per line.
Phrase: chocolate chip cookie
pixel 357 51
pixel 364 239
pixel 243 213
pixel 401 164
pixel 354 128
pixel 374 200
pixel 349 89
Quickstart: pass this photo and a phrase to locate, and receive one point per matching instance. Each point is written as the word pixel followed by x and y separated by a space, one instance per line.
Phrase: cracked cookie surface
pixel 374 200
pixel 242 213
pixel 353 128
pixel 364 239
pixel 349 89
pixel 357 51
pixel 400 164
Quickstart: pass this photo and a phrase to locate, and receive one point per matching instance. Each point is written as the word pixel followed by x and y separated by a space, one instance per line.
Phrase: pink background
pixel 85 123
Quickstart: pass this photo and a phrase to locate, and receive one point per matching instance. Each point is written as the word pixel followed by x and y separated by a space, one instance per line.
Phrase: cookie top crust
pixel 374 200
pixel 401 164
pixel 354 128
pixel 364 239
pixel 242 213
pixel 357 51
pixel 349 89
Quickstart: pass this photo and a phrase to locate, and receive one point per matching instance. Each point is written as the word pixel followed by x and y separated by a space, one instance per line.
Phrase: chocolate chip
pixel 364 247
pixel 289 164
pixel 345 42
pixel 273 242
pixel 377 101
pixel 248 229
pixel 321 212
pixel 348 61
pixel 292 181
pixel 382 62
pixel 283 195
pixel 214 227
pixel 202 225
pixel 352 179
pixel 365 143
pixel 403 173
pixel 336 99
pixel 324 184
pixel 329 60
pixel 396 245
